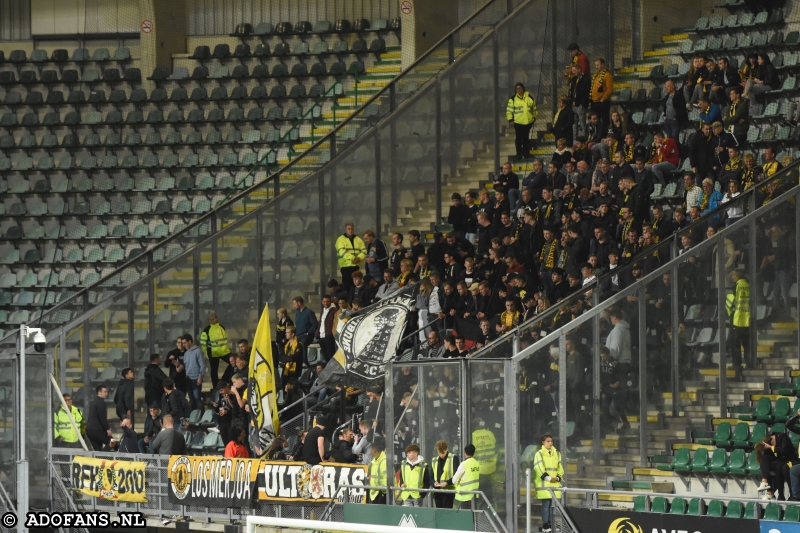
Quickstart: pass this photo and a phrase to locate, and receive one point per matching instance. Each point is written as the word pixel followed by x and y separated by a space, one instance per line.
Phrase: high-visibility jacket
pixel 377 475
pixel 62 427
pixel 447 471
pixel 485 452
pixel 547 463
pixel 522 109
pixel 412 477
pixel 350 253
pixel 738 305
pixel 470 480
pixel 214 340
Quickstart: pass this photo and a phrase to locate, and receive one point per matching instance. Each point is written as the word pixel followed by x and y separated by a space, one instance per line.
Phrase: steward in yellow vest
pixel 443 468
pixel 738 306
pixel 63 432
pixel 467 478
pixel 413 473
pixel 377 473
pixel 548 472
pixel 214 340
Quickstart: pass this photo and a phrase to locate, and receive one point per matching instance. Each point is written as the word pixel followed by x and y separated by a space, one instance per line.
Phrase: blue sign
pixel 779 527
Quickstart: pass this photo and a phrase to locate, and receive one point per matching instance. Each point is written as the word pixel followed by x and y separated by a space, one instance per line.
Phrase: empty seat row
pixel 62 55
pixel 259 71
pixel 90 75
pixel 266 29
pixel 716 508
pixel 242 51
pixel 103 184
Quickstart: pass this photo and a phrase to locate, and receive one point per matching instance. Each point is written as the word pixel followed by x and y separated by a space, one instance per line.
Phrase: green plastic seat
pixel 763 411
pixel 752 464
pixel 759 433
pixel 716 509
pixel 772 512
pixel 734 509
pixel 791 513
pixel 678 506
pixel 659 505
pixel 741 435
pixel 737 463
pixel 782 410
pixel 752 511
pixel 682 458
pixel 722 435
pixel 695 507
pixel 719 461
pixel 699 461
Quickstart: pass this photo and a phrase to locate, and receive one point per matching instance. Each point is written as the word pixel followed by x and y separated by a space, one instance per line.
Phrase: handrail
pixel 388 89
pixel 672 240
pixel 557 503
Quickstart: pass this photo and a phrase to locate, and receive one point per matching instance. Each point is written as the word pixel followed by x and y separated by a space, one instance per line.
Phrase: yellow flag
pixel 262 396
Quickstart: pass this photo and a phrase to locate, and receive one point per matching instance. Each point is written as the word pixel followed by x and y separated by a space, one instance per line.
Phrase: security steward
pixel 413 474
pixel 467 478
pixel 486 455
pixel 444 466
pixel 377 472
pixel 738 305
pixel 351 252
pixel 214 340
pixel 65 435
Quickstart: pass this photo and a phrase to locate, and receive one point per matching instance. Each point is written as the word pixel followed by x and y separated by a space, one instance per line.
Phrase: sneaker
pixel 763 487
pixel 215 430
pixel 546 528
pixel 767 497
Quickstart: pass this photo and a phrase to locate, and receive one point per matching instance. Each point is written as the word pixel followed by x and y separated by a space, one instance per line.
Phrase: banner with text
pixel 607 521
pixel 212 481
pixel 109 479
pixel 299 482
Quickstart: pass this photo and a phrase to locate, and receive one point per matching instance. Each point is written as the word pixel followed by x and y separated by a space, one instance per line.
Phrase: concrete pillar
pixel 423 24
pixel 167 19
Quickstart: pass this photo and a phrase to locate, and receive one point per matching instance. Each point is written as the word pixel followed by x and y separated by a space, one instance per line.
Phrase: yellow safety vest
pixel 522 109
pixel 377 475
pixel 62 427
pixel 485 453
pixel 214 340
pixel 412 477
pixel 447 471
pixel 350 254
pixel 470 480
pixel 547 463
pixel 738 305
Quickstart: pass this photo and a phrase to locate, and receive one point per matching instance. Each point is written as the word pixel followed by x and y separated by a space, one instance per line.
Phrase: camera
pixel 39 342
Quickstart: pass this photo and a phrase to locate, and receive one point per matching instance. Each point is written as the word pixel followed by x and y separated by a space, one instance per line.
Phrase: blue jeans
pixel 672 128
pixel 143 447
pixel 659 169
pixel 794 476
pixel 195 400
pixel 546 504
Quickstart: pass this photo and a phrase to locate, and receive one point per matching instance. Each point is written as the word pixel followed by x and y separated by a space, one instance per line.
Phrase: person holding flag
pixel 261 389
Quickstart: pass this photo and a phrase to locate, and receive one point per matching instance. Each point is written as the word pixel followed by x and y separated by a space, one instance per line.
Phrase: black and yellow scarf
pixel 599 76
pixel 550 255
pixel 733 163
pixel 628 150
pixel 769 169
pixel 748 178
pixel 704 201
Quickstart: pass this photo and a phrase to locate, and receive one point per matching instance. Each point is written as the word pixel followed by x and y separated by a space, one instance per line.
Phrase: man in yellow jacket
pixel 486 455
pixel 377 473
pixel 521 113
pixel 738 305
pixel 351 252
pixel 64 433
pixel 602 87
pixel 467 478
pixel 214 340
pixel 548 473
